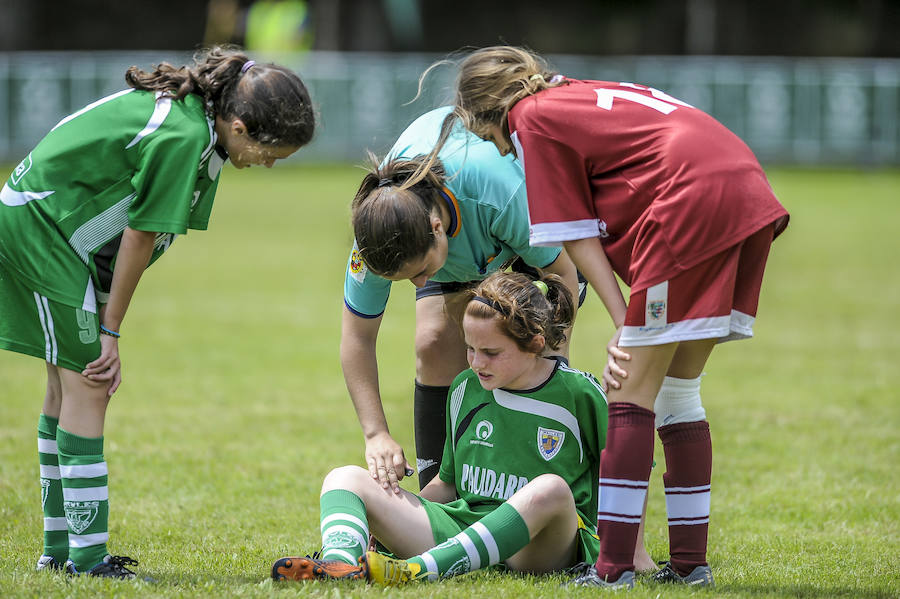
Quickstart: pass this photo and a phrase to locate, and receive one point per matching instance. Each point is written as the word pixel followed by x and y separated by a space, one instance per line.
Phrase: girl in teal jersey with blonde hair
pixel 101 197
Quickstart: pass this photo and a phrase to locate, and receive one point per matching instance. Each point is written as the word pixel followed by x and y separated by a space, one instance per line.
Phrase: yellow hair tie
pixel 542 287
pixel 537 76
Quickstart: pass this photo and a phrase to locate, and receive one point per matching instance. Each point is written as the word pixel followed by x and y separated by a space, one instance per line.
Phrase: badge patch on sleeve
pixel 357 266
pixel 549 442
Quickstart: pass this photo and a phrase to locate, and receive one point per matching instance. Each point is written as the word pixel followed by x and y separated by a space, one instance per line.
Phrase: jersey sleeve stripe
pixel 361 314
pixel 160 112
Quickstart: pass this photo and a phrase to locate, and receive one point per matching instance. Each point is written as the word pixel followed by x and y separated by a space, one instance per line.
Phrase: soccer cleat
pixel 48 562
pixel 310 568
pixel 591 579
pixel 700 576
pixel 390 572
pixel 112 566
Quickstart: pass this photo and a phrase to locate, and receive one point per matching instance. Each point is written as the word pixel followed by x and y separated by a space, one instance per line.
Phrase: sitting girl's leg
pixel 533 531
pixel 352 502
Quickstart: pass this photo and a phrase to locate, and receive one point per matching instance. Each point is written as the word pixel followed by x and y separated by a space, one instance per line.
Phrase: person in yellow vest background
pixel 264 26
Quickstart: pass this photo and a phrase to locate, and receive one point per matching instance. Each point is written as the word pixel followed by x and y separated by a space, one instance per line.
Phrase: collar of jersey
pixel 455 214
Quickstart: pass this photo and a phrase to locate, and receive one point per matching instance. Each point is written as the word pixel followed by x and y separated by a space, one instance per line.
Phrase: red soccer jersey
pixel 663 184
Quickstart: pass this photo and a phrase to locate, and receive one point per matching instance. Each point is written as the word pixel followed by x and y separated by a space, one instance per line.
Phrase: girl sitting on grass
pixel 519 476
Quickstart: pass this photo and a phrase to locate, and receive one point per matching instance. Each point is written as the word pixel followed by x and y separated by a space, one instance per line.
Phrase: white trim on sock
pixel 84 470
pixel 88 494
pixel 88 540
pixel 489 543
pixel 51 524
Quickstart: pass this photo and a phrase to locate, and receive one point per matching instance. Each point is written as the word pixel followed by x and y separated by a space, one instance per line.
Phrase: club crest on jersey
pixel 656 309
pixel 357 266
pixel 81 514
pixel 549 442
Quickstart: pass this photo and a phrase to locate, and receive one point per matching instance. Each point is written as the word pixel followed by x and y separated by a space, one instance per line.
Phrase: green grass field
pixel 233 406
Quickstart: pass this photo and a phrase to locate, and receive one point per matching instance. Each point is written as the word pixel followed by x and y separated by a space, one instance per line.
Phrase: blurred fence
pixel 789 110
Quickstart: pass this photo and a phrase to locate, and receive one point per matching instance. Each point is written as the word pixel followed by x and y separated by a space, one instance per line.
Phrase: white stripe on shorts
pixel 47 325
pixel 84 470
pixel 88 494
pixel 51 472
pixel 715 327
pixel 55 524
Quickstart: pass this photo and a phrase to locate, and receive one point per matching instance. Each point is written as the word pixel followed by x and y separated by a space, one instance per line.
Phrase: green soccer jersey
pixel 131 159
pixel 485 194
pixel 497 441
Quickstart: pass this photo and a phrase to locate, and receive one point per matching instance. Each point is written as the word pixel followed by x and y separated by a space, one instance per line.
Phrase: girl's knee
pixel 348 478
pixel 550 489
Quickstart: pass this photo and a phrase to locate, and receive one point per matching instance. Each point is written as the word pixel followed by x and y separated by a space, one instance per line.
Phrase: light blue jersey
pixel 485 193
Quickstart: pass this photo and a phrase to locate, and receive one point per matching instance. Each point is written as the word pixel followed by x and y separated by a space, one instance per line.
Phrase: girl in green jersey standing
pixel 100 198
pixel 518 482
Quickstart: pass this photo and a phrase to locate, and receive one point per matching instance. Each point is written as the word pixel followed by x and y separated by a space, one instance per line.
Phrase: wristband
pixel 105 331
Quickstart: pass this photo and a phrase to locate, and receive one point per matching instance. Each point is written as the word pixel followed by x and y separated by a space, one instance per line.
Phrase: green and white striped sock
pixel 85 497
pixel 345 529
pixel 56 535
pixel 491 540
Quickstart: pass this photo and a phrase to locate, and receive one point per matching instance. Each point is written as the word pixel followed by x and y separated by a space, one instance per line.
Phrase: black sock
pixel 430 417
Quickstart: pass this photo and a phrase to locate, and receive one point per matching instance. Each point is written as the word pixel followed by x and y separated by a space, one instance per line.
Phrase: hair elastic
pixel 536 77
pixel 247 66
pixel 542 287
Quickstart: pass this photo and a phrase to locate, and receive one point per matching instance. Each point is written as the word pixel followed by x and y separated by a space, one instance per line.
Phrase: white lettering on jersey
pixel 661 101
pixel 487 483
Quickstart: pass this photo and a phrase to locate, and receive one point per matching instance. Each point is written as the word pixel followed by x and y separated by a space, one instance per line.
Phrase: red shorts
pixel 716 299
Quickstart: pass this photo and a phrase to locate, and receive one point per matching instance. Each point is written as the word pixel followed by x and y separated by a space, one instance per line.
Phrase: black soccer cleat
pixel 701 576
pixel 112 566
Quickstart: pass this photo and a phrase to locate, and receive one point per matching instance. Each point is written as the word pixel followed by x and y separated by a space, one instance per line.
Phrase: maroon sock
pixel 688 450
pixel 625 472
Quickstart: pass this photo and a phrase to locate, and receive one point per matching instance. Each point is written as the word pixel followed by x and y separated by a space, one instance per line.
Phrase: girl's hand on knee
pixel 386 461
pixel 107 367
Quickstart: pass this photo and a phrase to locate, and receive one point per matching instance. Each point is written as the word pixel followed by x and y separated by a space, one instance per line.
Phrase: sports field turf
pixel 233 406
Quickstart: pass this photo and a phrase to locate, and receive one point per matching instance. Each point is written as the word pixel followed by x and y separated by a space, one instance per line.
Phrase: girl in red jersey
pixel 636 183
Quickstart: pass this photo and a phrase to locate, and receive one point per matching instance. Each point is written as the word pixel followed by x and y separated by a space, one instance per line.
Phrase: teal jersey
pixel 485 193
pixel 131 159
pixel 497 441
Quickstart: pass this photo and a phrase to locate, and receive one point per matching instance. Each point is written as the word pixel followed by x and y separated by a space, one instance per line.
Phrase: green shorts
pixel 449 519
pixel 35 325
